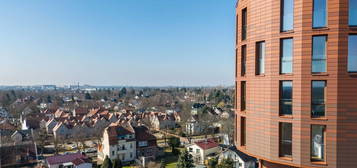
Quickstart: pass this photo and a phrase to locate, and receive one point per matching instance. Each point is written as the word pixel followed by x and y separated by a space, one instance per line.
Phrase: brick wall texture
pixel 262 91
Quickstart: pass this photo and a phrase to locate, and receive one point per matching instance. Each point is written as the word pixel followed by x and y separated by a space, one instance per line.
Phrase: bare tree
pixel 56 144
pixel 206 121
pixel 228 128
pixel 40 137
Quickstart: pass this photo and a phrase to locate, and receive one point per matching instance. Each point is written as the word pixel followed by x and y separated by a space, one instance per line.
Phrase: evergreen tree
pixel 117 163
pixel 185 160
pixel 122 92
pixel 212 163
pixel 107 163
pixel 162 163
pixel 174 142
pixel 87 96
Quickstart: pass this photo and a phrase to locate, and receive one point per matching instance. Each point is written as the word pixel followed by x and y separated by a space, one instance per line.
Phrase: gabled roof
pixel 6 125
pixel 118 129
pixel 80 161
pixel 92 112
pixel 242 155
pixel 53 160
pixel 142 134
pixel 206 144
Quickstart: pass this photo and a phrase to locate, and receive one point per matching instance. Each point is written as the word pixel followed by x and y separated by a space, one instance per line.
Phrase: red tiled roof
pixel 81 111
pixel 142 134
pixel 92 112
pixel 208 144
pixel 53 160
pixel 5 125
pixel 79 161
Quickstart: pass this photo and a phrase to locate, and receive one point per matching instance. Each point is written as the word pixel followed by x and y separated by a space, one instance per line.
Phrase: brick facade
pixel 262 91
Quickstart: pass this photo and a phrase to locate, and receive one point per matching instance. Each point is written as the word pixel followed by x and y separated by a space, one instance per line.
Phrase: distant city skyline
pixel 117 43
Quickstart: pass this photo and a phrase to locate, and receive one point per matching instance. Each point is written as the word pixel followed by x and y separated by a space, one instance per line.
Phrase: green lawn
pixel 170 159
pixel 171 165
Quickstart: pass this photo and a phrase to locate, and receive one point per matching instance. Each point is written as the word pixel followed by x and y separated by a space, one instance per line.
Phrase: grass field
pixel 171 165
pixel 170 159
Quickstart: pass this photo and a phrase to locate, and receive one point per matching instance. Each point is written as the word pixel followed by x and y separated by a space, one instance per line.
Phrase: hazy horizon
pixel 122 43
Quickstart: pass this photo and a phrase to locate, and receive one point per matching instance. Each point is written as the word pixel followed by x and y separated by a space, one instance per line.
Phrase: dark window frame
pixel 244 23
pixel 312 53
pixel 348 54
pixel 282 101
pixel 349 17
pixel 260 58
pixel 285 147
pixel 235 93
pixel 314 103
pixel 312 159
pixel 243 95
pixel 243 131
pixel 281 56
pixel 282 11
pixel 243 67
pixel 313 18
pixel 237 27
pixel 236 63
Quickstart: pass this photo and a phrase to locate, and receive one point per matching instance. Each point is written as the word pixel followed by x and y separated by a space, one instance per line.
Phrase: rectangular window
pixel 260 58
pixel 318 98
pixel 242 131
pixel 235 126
pixel 237 29
pixel 235 93
pixel 319 14
pixel 236 70
pixel 287 15
pixel 242 95
pixel 353 13
pixel 319 44
pixel 286 56
pixel 318 142
pixel 244 24
pixel 243 59
pixel 286 97
pixel 352 53
pixel 285 142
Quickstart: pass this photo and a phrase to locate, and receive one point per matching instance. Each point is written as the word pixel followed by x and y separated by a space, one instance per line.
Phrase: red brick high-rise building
pixel 296 82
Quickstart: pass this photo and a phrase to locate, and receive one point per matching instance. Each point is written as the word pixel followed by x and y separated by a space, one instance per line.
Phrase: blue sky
pixel 117 42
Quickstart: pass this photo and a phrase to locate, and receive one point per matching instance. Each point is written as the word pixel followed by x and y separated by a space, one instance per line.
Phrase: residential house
pixel 162 121
pixel 17 155
pixel 193 126
pixel 240 159
pixel 61 130
pixel 17 146
pixel 3 113
pixel 79 111
pixel 20 136
pixel 201 150
pixel 146 145
pixel 50 125
pixel 118 142
pixel 74 160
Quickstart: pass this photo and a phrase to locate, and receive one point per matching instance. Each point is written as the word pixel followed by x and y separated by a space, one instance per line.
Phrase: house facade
pixel 146 145
pixel 192 126
pixel 118 142
pixel 202 149
pixel 74 160
pixel 240 159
